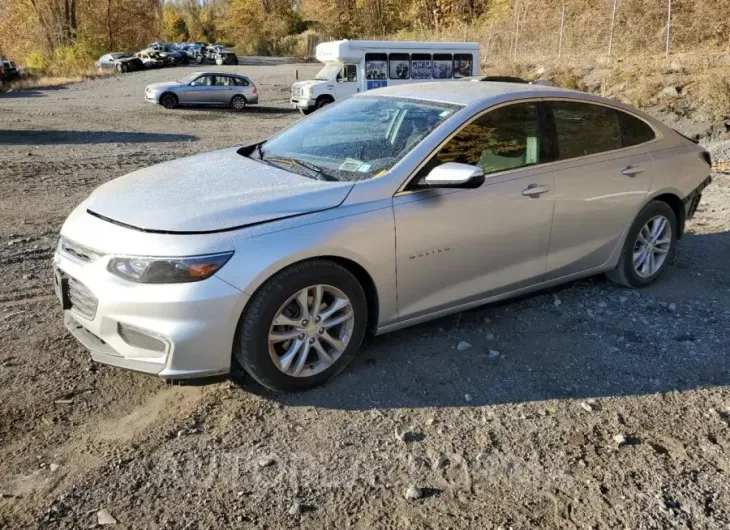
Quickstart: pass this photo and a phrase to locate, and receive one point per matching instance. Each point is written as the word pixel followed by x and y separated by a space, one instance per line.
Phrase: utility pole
pixel 669 26
pixel 610 35
pixel 562 26
pixel 489 39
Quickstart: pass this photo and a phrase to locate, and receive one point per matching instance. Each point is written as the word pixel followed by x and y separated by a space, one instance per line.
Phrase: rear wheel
pixel 169 101
pixel 649 246
pixel 120 68
pixel 238 103
pixel 303 326
pixel 306 112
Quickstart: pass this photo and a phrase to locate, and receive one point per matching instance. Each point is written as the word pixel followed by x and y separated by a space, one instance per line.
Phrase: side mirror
pixel 455 175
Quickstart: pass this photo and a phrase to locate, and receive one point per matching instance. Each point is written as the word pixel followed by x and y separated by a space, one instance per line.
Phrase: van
pixel 352 66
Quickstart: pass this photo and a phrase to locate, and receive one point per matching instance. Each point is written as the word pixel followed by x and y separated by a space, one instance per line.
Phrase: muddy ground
pixel 523 438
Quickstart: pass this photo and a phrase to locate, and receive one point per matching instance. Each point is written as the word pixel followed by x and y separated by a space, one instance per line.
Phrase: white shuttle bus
pixel 352 66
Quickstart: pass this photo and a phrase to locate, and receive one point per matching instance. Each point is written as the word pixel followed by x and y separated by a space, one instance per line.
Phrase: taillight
pixel 255 91
pixel 707 157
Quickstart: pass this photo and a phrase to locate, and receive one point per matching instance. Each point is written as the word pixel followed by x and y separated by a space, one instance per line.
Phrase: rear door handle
pixel 535 190
pixel 632 171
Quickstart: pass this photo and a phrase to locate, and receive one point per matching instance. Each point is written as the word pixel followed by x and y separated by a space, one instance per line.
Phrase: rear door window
pixel 240 81
pixel 634 131
pixel 585 129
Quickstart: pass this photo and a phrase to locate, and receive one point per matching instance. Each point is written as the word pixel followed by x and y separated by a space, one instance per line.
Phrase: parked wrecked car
pixel 386 209
pixel 121 62
pixel 154 59
pixel 205 88
pixel 8 70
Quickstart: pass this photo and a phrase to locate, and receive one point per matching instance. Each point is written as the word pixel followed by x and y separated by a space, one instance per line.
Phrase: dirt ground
pixel 529 437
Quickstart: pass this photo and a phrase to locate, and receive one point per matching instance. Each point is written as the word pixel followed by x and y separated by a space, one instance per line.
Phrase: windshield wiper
pixel 319 174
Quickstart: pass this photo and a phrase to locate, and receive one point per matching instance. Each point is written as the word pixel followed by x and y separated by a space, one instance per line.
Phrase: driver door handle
pixel 632 171
pixel 535 190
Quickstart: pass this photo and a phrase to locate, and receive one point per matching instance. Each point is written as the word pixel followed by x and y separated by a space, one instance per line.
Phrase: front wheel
pixel 169 101
pixel 306 112
pixel 302 327
pixel 649 246
pixel 322 102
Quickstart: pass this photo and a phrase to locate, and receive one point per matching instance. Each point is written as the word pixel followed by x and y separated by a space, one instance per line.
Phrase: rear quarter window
pixel 634 131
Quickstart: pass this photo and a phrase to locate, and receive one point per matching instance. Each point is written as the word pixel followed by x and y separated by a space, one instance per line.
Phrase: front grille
pixel 140 339
pixel 296 92
pixel 78 251
pixel 83 302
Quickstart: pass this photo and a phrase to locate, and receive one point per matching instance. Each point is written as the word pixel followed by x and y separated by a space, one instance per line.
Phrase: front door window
pixel 348 74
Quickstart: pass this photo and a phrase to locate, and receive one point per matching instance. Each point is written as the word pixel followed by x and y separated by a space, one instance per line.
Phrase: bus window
pixel 463 63
pixel 442 65
pixel 400 66
pixel 421 66
pixel 376 66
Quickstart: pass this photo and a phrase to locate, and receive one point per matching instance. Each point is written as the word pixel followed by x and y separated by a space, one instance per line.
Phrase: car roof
pixel 233 74
pixel 468 93
pixel 485 94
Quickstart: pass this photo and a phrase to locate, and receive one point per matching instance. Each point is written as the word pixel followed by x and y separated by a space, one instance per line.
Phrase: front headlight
pixel 167 270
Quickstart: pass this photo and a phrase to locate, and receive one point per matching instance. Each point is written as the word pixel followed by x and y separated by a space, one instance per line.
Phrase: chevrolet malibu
pixel 387 209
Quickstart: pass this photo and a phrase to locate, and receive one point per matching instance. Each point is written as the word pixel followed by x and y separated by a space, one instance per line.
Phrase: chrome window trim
pixel 658 136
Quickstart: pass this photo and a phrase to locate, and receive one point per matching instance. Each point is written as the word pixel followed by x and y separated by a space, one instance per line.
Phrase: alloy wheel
pixel 652 246
pixel 238 103
pixel 311 330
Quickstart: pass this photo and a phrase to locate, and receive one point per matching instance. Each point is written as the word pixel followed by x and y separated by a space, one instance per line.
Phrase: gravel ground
pixel 588 406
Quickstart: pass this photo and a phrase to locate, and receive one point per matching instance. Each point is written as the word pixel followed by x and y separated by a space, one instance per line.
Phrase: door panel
pixel 200 91
pixel 600 182
pixel 346 82
pixel 457 246
pixel 594 204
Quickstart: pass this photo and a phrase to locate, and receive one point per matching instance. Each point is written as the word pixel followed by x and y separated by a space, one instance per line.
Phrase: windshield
pixel 328 72
pixel 356 139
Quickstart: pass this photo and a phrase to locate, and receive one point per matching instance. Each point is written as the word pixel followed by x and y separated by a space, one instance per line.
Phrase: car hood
pixel 211 192
pixel 127 59
pixel 307 84
pixel 157 86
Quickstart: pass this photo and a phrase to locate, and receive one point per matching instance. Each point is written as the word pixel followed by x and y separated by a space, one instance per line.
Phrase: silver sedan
pixel 387 209
pixel 205 88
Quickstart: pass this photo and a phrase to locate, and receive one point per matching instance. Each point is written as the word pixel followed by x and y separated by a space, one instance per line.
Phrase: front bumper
pixel 190 325
pixel 151 97
pixel 303 103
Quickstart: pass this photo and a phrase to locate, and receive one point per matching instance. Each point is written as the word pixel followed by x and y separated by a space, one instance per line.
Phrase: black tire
pixel 238 103
pixel 198 59
pixel 323 102
pixel 120 68
pixel 169 100
pixel 252 347
pixel 306 112
pixel 625 273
